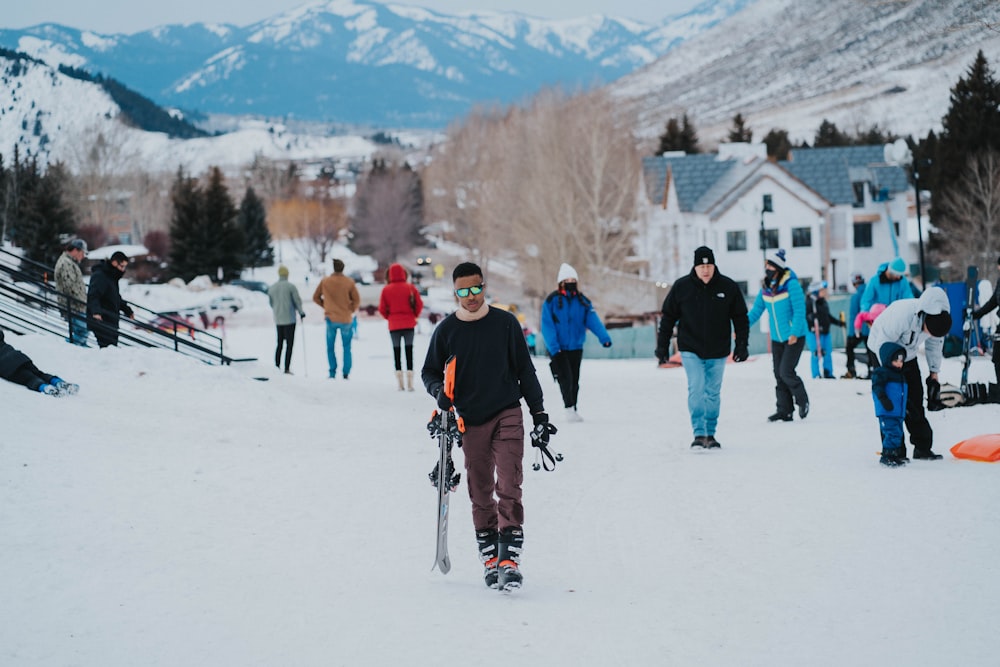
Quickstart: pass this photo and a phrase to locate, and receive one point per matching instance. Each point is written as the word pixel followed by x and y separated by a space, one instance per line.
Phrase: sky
pixel 176 513
pixel 127 16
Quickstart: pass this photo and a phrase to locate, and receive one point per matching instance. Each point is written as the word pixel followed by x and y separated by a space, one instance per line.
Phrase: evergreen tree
pixel 45 219
pixel 188 256
pixel 778 144
pixel 226 242
pixel 740 133
pixel 253 222
pixel 828 135
pixel 680 135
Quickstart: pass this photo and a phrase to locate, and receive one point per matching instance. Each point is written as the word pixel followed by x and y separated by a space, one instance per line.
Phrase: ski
pixel 441 559
pixel 971 280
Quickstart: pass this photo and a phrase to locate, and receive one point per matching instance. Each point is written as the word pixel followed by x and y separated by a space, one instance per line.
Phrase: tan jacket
pixel 69 280
pixel 338 296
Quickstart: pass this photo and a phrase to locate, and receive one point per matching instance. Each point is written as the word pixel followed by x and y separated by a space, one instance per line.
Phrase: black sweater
pixel 493 368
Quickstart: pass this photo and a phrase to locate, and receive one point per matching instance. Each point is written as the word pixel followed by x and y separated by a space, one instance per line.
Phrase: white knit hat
pixel 566 272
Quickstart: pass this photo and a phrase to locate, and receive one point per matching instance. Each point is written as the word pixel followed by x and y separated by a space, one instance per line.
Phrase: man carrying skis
pixel 493 370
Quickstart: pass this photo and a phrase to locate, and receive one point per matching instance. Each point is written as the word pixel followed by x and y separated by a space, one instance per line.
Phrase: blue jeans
pixel 78 327
pixel 346 332
pixel 704 388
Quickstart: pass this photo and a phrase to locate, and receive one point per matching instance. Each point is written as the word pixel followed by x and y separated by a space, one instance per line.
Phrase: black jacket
pixel 706 315
pixel 818 310
pixel 10 359
pixel 493 368
pixel 104 299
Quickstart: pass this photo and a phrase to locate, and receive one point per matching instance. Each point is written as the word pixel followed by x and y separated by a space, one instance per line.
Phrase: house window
pixel 736 241
pixel 768 239
pixel 802 237
pixel 862 235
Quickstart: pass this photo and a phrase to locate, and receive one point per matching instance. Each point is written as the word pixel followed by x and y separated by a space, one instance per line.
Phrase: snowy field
pixel 175 513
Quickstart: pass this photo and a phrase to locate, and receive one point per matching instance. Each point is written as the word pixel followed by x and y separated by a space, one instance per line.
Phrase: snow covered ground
pixel 175 513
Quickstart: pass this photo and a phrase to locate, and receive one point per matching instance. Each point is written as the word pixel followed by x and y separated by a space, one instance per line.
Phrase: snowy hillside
pixel 175 513
pixel 791 63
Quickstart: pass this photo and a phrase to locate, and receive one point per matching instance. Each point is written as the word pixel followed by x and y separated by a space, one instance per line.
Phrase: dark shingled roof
pixel 830 171
pixel 693 176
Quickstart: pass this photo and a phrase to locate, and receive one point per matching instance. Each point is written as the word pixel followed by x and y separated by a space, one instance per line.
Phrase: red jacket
pixel 400 302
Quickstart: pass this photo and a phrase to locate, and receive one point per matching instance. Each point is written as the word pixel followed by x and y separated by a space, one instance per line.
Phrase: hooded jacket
pixel 786 307
pixel 708 314
pixel 566 317
pixel 903 323
pixel 890 383
pixel 400 302
pixel 881 289
pixel 10 358
pixel 104 299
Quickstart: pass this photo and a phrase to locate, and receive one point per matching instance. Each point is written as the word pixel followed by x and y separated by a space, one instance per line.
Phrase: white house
pixel 836 211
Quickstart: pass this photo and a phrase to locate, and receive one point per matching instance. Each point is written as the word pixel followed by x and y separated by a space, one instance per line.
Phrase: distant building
pixel 835 211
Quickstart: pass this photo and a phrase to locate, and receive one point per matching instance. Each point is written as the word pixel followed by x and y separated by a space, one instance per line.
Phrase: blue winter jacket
pixel 786 307
pixel 565 320
pixel 882 290
pixel 889 382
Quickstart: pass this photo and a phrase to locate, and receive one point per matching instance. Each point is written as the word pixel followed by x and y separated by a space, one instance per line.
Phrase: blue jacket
pixel 786 307
pixel 882 290
pixel 889 382
pixel 565 320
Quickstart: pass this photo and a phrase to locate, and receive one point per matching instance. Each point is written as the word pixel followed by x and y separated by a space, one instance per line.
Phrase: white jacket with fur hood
pixel 903 323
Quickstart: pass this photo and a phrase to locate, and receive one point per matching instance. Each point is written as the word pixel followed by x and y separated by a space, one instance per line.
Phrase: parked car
pixel 174 322
pixel 225 302
pixel 252 285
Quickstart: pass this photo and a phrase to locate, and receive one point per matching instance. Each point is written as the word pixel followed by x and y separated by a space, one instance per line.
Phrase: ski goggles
pixel 463 292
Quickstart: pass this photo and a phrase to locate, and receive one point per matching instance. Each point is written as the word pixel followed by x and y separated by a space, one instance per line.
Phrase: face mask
pixel 770 275
pixel 569 288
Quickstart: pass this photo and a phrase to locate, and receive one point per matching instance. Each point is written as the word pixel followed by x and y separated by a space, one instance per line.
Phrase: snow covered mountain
pixel 359 61
pixel 789 64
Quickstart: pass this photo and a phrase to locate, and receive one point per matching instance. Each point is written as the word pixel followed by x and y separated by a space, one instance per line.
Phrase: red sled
pixel 980 448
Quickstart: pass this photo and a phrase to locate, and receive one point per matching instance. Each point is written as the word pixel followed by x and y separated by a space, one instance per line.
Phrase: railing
pixel 29 303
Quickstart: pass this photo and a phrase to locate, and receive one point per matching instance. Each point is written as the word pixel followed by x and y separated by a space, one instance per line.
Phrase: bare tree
pixel 312 225
pixel 388 212
pixel 972 228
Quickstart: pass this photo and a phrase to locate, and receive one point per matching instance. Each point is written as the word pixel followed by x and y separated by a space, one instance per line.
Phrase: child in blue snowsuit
pixel 889 392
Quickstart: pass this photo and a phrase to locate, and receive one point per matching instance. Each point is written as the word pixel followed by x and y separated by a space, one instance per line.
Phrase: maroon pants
pixel 494 454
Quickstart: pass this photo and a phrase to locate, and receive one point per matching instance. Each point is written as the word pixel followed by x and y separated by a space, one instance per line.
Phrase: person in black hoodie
pixel 492 372
pixel 17 367
pixel 104 301
pixel 708 308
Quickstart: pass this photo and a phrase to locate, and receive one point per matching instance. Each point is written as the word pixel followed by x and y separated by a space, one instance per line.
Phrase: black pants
pixel 27 374
pixel 788 386
pixel 852 343
pixel 566 369
pixel 286 337
pixel 402 338
pixel 921 434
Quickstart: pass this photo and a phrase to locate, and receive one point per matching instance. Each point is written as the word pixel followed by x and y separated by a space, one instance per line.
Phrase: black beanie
pixel 704 255
pixel 938 324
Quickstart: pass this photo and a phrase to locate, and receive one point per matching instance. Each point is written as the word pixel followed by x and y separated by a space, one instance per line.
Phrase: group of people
pixel 96 307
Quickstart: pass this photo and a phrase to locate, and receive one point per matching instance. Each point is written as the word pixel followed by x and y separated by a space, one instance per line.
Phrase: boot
pixel 409 381
pixel 511 544
pixel 487 542
pixel 893 458
pixel 399 379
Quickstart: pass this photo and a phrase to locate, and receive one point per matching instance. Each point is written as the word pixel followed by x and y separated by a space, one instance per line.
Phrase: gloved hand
pixel 543 430
pixel 741 353
pixel 886 403
pixel 127 311
pixel 443 401
pixel 933 391
pixel 608 344
pixel 661 354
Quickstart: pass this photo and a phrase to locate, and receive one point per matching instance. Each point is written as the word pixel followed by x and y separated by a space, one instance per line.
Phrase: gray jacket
pixel 903 323
pixel 285 302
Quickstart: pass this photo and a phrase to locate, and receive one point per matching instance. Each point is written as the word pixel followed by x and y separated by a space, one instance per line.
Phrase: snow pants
pixel 494 454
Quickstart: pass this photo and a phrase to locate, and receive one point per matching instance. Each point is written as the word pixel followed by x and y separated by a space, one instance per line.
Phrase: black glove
pixel 128 311
pixel 741 353
pixel 886 403
pixel 443 401
pixel 542 431
pixel 661 354
pixel 933 391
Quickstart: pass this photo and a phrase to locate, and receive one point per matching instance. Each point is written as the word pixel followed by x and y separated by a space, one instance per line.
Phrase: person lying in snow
pixel 17 367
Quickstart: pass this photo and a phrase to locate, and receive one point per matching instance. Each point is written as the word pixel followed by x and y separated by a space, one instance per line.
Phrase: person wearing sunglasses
pixel 492 372
pixel 104 300
pixel 566 316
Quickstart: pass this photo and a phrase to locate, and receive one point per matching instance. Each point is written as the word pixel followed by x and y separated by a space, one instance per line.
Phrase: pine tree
pixel 188 255
pixel 45 219
pixel 253 222
pixel 227 244
pixel 680 135
pixel 740 133
pixel 778 144
pixel 828 135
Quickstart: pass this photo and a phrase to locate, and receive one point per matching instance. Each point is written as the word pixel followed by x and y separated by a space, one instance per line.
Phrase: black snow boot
pixel 780 417
pixel 511 543
pixel 486 540
pixel 893 458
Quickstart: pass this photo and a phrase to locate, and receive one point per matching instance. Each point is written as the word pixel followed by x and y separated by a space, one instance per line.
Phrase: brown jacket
pixel 338 296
